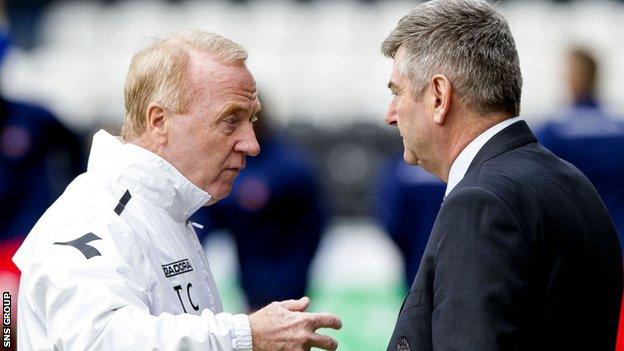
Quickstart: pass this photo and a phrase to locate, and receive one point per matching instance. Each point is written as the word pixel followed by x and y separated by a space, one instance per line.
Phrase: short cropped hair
pixel 158 73
pixel 470 43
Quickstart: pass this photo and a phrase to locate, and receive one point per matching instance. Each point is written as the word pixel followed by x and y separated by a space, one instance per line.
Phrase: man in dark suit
pixel 523 254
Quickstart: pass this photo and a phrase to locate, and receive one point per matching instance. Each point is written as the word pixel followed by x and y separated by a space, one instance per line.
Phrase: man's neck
pixel 145 142
pixel 466 129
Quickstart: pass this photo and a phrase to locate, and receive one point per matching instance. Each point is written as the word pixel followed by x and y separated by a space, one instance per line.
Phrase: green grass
pixel 368 313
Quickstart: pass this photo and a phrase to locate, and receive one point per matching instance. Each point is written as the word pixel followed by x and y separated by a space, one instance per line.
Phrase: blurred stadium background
pixel 323 80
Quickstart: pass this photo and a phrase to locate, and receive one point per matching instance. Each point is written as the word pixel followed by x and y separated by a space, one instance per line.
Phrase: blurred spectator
pixel 587 136
pixel 276 216
pixel 408 202
pixel 24 18
pixel 38 158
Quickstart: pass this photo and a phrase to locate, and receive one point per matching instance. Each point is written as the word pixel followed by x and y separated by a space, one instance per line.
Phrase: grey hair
pixel 467 41
pixel 158 73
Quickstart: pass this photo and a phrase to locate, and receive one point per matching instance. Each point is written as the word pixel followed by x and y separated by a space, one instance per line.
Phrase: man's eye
pixel 229 124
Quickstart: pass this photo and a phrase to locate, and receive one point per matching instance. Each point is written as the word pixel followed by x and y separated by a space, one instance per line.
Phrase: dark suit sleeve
pixel 480 283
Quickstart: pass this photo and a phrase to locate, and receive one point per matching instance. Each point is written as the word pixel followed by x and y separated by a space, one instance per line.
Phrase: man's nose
pixel 390 116
pixel 249 143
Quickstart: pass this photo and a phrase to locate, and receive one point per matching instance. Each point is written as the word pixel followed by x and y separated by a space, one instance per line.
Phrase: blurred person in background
pixel 408 200
pixel 39 156
pixel 523 254
pixel 587 136
pixel 25 20
pixel 114 264
pixel 276 215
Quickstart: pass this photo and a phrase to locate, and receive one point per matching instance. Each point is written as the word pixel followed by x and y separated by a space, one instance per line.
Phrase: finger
pixel 325 320
pixel 297 305
pixel 323 342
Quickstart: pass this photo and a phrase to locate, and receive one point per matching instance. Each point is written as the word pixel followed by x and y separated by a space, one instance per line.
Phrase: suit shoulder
pixel 520 170
pixel 533 183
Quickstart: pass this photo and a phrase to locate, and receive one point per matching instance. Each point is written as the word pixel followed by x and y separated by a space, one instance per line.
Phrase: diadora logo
pixel 177 267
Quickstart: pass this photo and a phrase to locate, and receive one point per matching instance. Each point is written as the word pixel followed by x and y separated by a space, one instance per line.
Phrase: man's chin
pixel 218 195
pixel 410 158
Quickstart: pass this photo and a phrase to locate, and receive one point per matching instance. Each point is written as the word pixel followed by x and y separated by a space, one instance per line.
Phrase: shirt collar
pixel 465 157
pixel 145 174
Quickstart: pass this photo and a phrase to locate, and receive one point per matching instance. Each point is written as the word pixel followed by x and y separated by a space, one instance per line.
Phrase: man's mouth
pixel 235 169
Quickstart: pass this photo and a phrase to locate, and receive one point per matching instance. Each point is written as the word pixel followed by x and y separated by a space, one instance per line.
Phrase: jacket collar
pixel 510 138
pixel 146 175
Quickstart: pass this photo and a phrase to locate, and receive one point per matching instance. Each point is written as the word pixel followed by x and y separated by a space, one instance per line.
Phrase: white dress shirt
pixel 464 159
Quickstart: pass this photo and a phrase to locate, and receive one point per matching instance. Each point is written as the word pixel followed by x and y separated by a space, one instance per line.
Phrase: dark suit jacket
pixel 522 256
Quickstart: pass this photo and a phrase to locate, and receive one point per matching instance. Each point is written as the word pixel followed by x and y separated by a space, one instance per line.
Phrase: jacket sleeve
pixel 101 303
pixel 479 291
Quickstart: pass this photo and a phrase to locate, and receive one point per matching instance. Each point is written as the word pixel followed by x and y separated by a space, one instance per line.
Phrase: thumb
pixel 297 305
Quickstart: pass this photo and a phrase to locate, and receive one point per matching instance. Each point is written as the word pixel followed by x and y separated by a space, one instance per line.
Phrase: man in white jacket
pixel 115 264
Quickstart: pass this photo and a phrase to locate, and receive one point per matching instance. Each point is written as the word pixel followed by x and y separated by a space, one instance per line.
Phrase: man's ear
pixel 442 90
pixel 157 126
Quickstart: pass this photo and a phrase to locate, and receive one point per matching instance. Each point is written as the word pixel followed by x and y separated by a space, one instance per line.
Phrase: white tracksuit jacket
pixel 114 263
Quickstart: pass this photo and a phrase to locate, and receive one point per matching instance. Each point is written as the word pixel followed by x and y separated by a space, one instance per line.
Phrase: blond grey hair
pixel 158 73
pixel 467 41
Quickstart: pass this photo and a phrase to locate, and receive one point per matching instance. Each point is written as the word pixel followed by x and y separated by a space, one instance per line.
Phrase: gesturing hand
pixel 284 326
